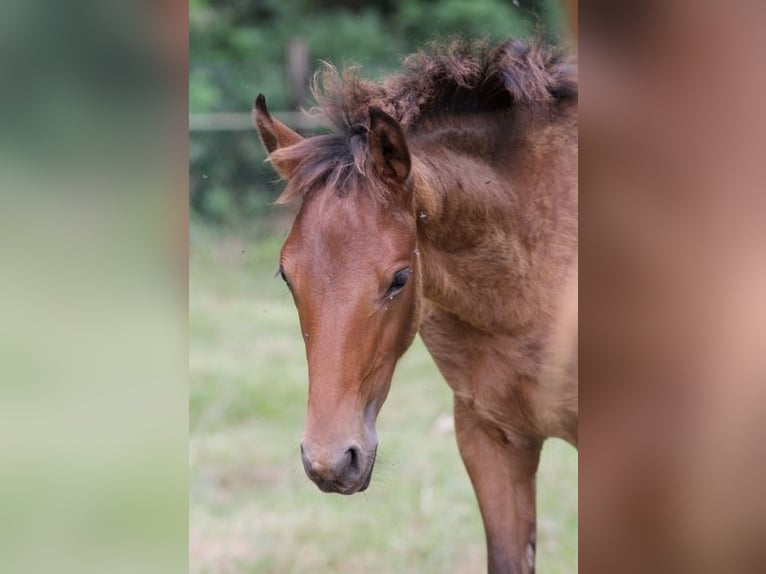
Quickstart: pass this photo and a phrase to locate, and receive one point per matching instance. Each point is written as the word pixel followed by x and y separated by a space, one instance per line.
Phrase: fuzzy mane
pixel 453 78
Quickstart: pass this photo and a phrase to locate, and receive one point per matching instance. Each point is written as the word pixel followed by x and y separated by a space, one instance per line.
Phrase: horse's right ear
pixel 274 134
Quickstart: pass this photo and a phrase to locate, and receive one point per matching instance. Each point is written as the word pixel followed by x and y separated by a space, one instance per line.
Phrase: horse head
pixel 351 264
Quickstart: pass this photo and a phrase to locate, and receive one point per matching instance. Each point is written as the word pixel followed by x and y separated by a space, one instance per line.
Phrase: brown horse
pixel 445 203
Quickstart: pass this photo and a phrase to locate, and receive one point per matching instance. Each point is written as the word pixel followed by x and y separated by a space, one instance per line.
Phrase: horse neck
pixel 495 201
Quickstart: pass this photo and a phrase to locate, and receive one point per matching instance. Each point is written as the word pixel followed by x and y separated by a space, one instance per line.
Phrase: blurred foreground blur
pixel 673 277
pixel 92 290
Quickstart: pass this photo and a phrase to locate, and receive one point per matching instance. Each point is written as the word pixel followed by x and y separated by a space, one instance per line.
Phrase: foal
pixel 444 204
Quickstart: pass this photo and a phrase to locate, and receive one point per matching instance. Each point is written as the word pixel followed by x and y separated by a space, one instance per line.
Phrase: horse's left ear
pixel 388 146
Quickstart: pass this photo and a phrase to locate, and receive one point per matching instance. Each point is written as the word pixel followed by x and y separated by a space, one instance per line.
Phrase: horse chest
pixel 487 373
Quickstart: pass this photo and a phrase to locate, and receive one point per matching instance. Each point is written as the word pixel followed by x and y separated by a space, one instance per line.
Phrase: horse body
pixel 498 244
pixel 456 218
pixel 496 252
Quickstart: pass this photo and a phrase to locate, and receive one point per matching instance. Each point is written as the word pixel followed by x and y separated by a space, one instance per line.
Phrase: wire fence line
pixel 239 121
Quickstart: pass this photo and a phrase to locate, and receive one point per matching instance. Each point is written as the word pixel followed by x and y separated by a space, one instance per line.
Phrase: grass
pixel 252 509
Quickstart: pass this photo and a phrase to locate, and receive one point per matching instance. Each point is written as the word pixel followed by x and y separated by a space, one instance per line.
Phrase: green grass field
pixel 251 507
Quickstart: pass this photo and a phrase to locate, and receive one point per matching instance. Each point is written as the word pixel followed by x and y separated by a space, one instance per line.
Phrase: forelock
pixel 332 162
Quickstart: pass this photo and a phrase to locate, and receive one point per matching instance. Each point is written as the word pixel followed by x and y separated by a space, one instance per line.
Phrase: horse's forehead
pixel 341 231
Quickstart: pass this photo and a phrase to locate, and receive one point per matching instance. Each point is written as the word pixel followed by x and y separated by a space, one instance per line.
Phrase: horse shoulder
pixel 491 374
pixel 515 383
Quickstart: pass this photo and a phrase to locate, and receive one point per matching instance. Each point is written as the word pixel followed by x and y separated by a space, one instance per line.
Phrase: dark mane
pixel 457 77
pixel 453 78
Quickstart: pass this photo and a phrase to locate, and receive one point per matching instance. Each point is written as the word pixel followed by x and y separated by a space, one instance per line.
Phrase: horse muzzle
pixel 345 471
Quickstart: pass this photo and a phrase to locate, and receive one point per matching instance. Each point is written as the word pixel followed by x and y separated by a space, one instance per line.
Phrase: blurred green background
pixel 251 507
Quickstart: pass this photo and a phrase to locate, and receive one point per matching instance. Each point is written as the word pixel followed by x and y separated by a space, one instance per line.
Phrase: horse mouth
pixel 334 486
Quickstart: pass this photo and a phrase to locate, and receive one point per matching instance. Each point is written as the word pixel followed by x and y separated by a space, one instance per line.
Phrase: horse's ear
pixel 274 134
pixel 388 146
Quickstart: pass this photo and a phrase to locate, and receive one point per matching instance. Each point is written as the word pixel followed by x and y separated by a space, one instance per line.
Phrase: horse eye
pixel 399 281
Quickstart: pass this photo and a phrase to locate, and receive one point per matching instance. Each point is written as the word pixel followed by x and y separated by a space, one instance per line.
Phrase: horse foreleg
pixel 503 475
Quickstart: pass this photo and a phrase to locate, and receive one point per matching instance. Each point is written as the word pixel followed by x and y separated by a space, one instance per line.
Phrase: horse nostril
pixel 353 455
